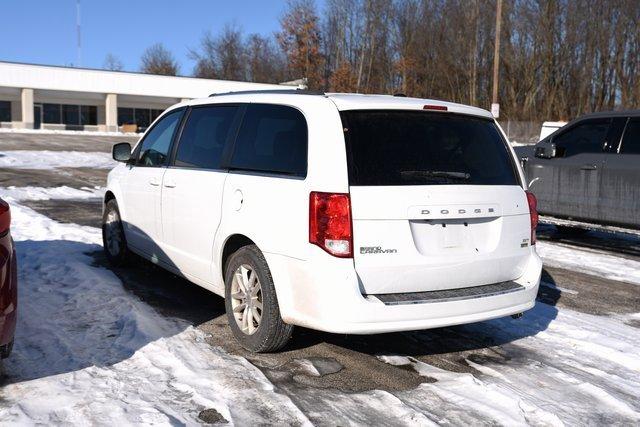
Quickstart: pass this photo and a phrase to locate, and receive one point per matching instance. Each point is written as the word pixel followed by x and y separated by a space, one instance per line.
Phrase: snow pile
pixel 88 352
pixel 37 159
pixel 48 193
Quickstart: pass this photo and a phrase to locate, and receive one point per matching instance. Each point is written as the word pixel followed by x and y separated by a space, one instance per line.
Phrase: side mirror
pixel 546 151
pixel 121 152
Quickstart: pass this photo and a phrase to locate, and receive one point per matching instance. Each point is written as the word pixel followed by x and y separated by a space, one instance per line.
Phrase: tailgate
pixel 423 239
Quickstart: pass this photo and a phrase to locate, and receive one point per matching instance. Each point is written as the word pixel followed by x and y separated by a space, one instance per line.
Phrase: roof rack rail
pixel 272 91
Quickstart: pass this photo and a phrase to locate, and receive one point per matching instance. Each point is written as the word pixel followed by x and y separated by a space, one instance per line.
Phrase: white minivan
pixel 344 213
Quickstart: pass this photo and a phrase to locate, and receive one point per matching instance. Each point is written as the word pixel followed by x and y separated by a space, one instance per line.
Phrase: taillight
pixel 533 213
pixel 5 216
pixel 330 223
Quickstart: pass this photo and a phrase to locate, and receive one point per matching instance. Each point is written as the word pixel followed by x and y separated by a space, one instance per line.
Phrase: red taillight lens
pixel 330 223
pixel 5 216
pixel 533 213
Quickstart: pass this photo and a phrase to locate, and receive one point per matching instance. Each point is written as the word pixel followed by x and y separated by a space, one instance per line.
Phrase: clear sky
pixel 44 32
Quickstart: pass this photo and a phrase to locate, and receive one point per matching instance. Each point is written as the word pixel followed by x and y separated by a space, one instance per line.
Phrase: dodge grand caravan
pixel 338 212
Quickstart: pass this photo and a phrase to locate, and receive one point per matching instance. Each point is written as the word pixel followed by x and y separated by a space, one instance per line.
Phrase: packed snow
pixel 49 193
pixel 43 159
pixel 89 352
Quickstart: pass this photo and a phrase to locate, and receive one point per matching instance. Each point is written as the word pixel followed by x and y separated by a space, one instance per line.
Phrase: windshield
pixel 398 147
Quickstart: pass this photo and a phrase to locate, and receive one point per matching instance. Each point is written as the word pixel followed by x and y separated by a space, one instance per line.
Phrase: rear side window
pixel 422 148
pixel 272 139
pixel 631 139
pixel 586 137
pixel 204 135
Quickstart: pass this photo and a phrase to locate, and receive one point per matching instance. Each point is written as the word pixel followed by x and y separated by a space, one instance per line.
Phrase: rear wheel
pixel 251 303
pixel 113 239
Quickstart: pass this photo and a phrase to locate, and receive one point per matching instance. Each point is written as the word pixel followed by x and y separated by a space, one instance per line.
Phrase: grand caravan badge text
pixel 366 250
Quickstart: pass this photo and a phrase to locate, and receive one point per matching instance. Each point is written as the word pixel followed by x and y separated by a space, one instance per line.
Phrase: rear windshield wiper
pixel 464 176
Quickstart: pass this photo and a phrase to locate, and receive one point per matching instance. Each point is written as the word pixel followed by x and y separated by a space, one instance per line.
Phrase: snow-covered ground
pixel 590 261
pixel 89 352
pixel 42 159
pixel 49 193
pixel 66 132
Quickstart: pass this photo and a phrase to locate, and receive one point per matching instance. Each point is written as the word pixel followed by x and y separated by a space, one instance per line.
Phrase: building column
pixel 111 112
pixel 26 99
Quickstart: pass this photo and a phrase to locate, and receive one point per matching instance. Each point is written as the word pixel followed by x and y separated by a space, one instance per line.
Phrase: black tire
pixel 118 254
pixel 271 333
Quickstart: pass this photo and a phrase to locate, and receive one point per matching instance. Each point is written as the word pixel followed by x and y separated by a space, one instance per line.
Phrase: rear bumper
pixel 8 291
pixel 324 294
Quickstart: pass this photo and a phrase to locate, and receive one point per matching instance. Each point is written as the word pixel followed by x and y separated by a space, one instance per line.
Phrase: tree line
pixel 558 58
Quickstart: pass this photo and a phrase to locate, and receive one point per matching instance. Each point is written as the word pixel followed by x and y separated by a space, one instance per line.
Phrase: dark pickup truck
pixel 589 170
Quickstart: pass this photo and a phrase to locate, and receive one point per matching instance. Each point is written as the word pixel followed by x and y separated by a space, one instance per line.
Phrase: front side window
pixel 396 147
pixel 155 145
pixel 203 137
pixel 272 139
pixel 586 137
pixel 631 139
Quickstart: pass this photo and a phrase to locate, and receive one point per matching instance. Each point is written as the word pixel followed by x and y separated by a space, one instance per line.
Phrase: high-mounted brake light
pixel 533 213
pixel 330 223
pixel 435 107
pixel 5 217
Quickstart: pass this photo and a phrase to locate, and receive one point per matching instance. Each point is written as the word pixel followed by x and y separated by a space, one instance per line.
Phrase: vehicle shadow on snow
pixel 74 312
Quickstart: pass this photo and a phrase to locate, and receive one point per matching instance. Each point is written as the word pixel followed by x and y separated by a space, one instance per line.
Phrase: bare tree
pixel 265 61
pixel 156 59
pixel 300 40
pixel 112 63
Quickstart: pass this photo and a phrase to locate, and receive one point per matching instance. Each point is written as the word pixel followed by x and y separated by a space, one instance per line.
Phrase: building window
pixel 88 115
pixel 125 116
pixel 5 111
pixel 69 114
pixel 51 113
pixel 142 117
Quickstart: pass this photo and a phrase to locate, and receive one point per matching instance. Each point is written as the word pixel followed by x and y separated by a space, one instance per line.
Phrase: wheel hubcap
pixel 113 233
pixel 246 299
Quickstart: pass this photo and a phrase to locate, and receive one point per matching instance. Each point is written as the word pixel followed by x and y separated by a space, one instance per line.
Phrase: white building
pixel 52 97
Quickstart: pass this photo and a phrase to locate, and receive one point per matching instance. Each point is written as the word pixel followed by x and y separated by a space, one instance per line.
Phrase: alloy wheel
pixel 246 299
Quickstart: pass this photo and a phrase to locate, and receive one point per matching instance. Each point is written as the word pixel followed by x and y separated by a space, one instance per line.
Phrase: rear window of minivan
pixel 399 147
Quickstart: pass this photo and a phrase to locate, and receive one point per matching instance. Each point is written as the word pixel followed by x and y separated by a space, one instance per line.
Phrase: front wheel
pixel 113 239
pixel 251 303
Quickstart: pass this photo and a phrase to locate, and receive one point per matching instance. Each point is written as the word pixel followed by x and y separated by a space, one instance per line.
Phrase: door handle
pixel 589 167
pixel 154 181
pixel 170 184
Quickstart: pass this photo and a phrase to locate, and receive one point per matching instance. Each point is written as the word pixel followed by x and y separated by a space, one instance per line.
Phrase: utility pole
pixel 495 106
pixel 78 33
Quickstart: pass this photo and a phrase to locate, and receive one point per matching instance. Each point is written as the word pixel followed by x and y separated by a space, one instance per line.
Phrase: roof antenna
pixel 78 32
